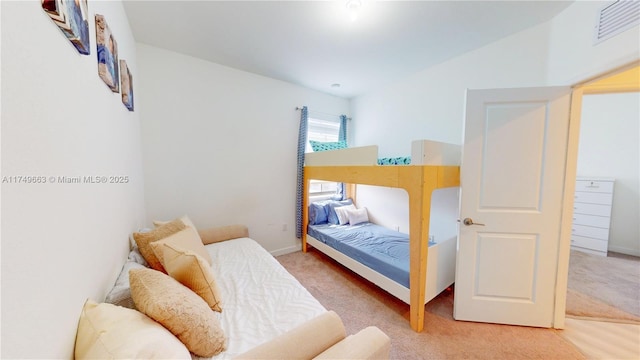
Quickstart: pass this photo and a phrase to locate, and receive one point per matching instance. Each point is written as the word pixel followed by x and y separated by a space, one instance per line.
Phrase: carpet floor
pixel 360 304
pixel 603 287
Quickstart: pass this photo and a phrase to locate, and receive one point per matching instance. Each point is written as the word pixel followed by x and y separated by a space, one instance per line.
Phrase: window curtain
pixel 302 143
pixel 342 136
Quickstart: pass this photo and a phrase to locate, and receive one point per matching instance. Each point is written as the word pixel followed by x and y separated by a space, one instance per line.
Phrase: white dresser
pixel 592 215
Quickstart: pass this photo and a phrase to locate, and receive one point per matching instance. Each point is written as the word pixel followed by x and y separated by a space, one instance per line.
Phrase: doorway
pixel 625 79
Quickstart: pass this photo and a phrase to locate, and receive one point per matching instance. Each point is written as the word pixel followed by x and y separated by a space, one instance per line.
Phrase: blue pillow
pixel 318 213
pixel 323 146
pixel 332 217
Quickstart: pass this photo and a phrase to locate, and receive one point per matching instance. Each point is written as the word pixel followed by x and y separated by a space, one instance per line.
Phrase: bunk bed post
pixel 351 191
pixel 419 183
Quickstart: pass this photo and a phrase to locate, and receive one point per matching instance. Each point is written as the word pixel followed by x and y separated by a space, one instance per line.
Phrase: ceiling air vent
pixel 615 18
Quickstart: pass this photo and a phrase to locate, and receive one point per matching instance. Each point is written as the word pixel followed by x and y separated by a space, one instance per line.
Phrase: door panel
pixel 516 252
pixel 520 128
pixel 512 179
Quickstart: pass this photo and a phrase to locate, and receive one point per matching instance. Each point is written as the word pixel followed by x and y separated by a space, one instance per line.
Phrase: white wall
pixel 573 57
pixel 610 147
pixel 62 243
pixel 389 207
pixel 220 144
pixel 430 104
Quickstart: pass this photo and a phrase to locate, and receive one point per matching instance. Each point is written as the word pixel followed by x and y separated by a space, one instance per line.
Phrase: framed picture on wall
pixel 71 17
pixel 126 83
pixel 107 54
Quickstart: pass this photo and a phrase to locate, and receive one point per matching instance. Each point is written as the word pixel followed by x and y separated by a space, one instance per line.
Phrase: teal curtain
pixel 302 143
pixel 342 136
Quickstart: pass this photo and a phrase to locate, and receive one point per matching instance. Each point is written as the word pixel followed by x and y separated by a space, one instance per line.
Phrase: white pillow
pixel 341 212
pixel 357 216
pixel 120 294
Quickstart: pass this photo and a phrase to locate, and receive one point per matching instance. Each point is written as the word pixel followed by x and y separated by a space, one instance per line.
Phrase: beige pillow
pixel 159 233
pixel 185 220
pixel 222 233
pixel 186 239
pixel 191 270
pixel 178 309
pixel 106 331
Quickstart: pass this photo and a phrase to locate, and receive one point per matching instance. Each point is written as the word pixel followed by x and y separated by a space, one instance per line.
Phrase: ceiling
pixel 315 44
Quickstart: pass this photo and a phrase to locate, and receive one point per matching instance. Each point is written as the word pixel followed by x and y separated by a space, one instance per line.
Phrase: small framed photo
pixel 107 54
pixel 126 84
pixel 71 17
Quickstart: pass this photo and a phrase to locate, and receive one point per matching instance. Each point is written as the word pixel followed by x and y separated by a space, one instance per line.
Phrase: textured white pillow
pixel 108 331
pixel 120 294
pixel 341 211
pixel 357 216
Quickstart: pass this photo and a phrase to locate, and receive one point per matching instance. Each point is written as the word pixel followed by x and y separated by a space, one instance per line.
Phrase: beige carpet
pixel 605 288
pixel 360 304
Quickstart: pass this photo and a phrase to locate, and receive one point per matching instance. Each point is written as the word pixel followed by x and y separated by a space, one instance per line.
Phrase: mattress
pixel 260 298
pixel 383 250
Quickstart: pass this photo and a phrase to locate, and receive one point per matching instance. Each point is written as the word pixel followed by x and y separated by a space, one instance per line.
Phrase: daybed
pixel 224 297
pixel 431 267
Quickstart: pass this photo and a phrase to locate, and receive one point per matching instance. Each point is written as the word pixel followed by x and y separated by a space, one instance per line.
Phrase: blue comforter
pixel 383 250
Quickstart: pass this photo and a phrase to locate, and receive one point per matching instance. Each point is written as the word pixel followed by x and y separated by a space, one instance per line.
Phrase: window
pixel 325 131
pixel 321 130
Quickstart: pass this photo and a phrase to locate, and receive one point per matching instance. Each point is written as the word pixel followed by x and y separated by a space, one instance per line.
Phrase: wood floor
pixel 604 340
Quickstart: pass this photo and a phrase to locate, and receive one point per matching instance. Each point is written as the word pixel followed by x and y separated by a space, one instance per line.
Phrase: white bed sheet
pixel 260 298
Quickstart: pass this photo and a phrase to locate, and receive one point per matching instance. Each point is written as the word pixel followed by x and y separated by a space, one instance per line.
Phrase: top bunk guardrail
pixel 423 152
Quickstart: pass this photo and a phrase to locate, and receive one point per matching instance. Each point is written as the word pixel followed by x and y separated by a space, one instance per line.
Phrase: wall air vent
pixel 615 18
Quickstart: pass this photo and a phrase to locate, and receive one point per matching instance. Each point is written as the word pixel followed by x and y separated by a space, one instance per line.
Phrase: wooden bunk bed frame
pixel 419 181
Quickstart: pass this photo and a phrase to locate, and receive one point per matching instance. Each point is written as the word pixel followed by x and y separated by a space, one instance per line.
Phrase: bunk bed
pixel 431 268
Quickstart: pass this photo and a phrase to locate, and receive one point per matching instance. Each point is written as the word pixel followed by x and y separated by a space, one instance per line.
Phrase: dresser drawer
pixel 592 209
pixel 591 220
pixel 589 231
pixel 589 243
pixel 593 198
pixel 595 186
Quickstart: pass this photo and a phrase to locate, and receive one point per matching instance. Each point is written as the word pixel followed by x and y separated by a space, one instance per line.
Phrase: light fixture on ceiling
pixel 352 7
pixel 336 85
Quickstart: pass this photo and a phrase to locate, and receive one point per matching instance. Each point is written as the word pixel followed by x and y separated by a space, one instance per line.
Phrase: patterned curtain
pixel 302 143
pixel 342 136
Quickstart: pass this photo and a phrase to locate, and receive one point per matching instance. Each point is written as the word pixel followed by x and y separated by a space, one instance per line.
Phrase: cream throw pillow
pixel 191 270
pixel 186 239
pixel 144 239
pixel 357 216
pixel 179 310
pixel 108 331
pixel 341 212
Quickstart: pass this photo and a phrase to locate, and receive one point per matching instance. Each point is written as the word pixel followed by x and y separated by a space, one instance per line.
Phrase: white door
pixel 512 179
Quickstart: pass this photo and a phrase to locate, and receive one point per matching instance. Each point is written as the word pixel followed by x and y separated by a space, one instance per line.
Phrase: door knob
pixel 469 222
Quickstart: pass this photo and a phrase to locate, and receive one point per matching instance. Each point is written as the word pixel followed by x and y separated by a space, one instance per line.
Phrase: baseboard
pixel 623 250
pixel 286 250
